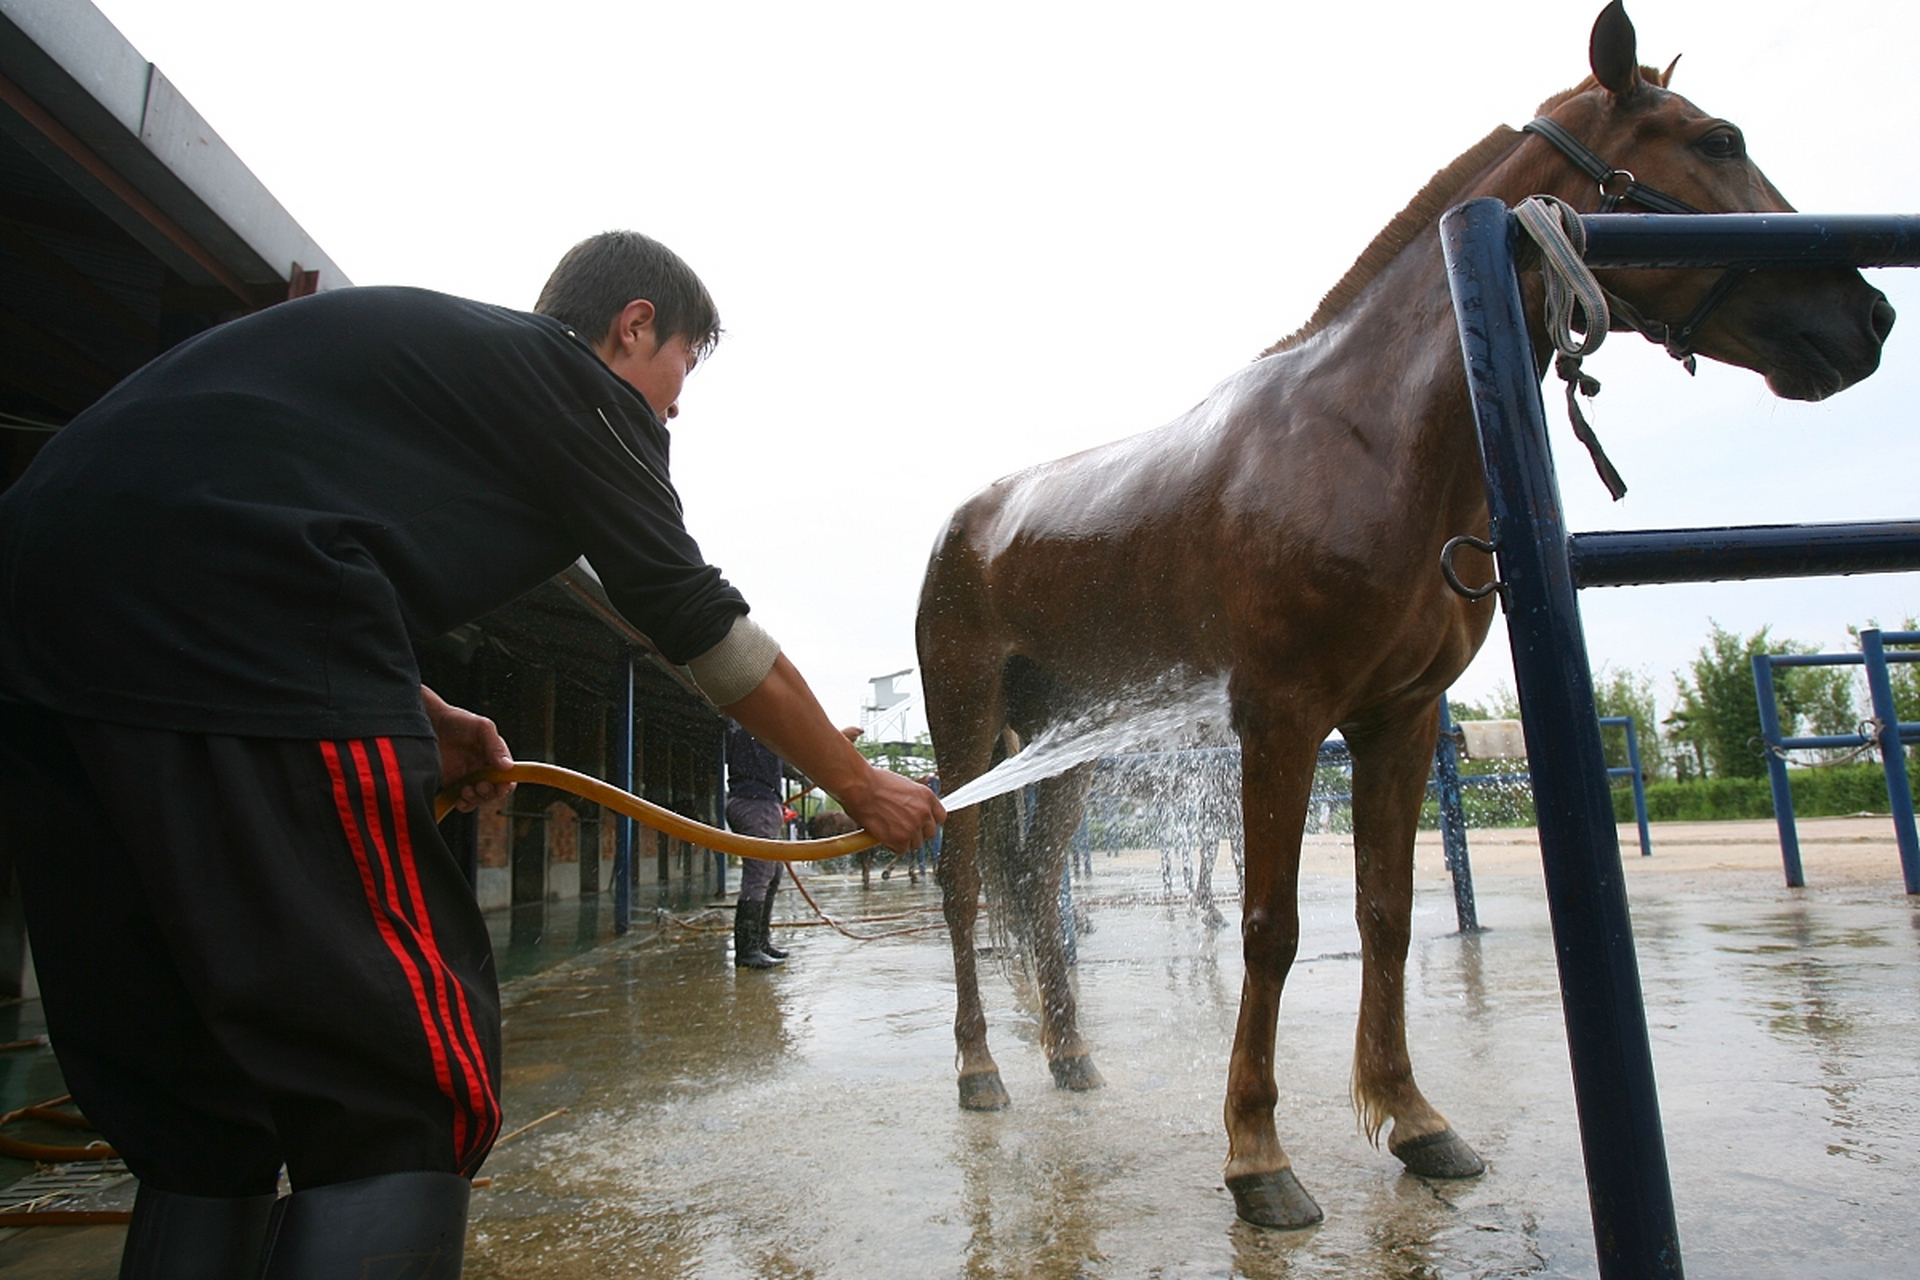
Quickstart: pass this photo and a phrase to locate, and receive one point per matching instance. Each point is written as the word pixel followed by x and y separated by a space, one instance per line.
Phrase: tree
pixel 1716 718
pixel 1628 693
pixel 1903 676
pixel 1501 704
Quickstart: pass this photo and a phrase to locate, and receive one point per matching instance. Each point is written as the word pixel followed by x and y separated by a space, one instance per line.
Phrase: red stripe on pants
pixel 482 1104
pixel 389 919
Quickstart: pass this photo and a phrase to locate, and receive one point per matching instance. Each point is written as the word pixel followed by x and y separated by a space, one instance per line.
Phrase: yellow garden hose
pixel 652 815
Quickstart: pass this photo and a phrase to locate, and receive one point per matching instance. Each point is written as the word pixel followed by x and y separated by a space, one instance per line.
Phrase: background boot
pixel 746 938
pixel 176 1237
pixel 766 929
pixel 398 1224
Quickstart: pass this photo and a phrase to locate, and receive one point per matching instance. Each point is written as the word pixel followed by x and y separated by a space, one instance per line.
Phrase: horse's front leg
pixel 1391 763
pixel 1277 779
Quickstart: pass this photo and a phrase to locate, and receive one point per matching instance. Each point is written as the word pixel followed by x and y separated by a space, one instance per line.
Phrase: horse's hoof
pixel 1273 1200
pixel 1078 1074
pixel 983 1092
pixel 1439 1155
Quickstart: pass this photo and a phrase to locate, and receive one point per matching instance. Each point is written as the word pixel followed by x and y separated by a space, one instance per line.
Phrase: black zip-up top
pixel 249 534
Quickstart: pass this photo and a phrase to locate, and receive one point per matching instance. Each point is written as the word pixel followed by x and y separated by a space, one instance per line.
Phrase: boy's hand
pixel 897 811
pixel 468 744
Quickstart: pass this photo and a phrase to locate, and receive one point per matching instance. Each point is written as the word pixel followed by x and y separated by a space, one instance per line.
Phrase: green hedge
pixel 1817 793
pixel 1848 788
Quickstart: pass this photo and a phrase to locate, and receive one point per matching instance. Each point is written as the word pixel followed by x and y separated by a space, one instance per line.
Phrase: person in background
pixel 754 808
pixel 925 857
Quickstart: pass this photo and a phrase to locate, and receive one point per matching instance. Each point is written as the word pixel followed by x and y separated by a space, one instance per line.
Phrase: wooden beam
pixel 19 240
pixel 60 351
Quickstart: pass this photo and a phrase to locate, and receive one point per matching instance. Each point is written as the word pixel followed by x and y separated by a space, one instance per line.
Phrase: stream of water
pixel 1182 708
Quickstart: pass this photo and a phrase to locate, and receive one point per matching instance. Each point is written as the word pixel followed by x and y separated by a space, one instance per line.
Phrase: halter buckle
pixel 1628 183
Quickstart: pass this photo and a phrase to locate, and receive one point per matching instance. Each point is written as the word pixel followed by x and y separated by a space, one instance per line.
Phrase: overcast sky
pixel 949 241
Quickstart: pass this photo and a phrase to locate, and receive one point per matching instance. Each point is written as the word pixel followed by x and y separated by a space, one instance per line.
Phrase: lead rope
pixel 1554 226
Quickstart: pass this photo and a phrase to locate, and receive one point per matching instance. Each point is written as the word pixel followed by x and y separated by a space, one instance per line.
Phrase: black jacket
pixel 249 534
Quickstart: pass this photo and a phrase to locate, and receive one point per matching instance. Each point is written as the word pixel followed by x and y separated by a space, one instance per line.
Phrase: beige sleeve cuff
pixel 735 667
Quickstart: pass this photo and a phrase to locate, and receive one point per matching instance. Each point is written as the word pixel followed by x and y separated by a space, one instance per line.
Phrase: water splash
pixel 1181 708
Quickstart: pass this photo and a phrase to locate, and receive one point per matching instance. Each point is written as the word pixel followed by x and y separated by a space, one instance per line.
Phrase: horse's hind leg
pixel 1391 762
pixel 1062 801
pixel 959 876
pixel 964 713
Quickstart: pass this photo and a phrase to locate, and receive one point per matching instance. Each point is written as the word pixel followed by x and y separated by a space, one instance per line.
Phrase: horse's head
pixel 1810 333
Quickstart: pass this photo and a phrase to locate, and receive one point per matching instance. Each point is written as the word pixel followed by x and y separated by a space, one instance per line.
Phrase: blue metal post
pixel 1453 822
pixel 623 825
pixel 1771 736
pixel 1639 787
pixel 1893 755
pixel 720 818
pixel 1633 775
pixel 1628 1185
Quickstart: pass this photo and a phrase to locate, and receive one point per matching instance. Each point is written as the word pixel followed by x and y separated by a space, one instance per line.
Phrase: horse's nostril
pixel 1881 318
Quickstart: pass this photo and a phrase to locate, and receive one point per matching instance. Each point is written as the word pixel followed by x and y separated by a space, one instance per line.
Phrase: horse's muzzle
pixel 1832 348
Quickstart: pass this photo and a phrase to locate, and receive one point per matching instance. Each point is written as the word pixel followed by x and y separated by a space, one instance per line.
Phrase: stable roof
pixel 126 224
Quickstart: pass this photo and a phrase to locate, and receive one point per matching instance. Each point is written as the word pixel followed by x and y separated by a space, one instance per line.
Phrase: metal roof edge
pixel 70 60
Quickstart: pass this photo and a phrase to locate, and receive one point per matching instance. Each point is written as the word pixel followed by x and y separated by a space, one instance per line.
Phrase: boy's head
pixel 601 275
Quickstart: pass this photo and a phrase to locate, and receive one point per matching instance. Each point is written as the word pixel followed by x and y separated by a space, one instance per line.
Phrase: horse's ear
pixel 1611 51
pixel 1666 77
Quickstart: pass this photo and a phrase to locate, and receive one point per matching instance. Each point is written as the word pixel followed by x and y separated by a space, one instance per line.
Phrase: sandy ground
pixel 1857 851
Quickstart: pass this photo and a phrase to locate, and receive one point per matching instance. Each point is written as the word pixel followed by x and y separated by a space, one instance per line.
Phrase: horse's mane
pixel 1434 199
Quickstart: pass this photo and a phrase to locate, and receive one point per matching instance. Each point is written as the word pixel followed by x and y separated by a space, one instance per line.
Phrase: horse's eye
pixel 1723 144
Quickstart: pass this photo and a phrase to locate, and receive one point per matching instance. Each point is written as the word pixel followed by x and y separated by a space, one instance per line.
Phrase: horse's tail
pixel 1025 840
pixel 1000 855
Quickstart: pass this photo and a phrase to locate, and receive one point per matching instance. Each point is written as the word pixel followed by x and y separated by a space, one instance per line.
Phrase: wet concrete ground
pixel 803 1122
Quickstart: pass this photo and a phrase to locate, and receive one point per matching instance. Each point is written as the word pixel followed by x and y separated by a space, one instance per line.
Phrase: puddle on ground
pixel 803 1122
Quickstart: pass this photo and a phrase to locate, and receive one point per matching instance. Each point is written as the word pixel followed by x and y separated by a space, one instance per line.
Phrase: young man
pixel 217 762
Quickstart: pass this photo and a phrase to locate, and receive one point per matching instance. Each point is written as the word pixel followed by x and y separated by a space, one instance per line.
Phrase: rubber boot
pixel 766 929
pixel 176 1237
pixel 397 1226
pixel 746 937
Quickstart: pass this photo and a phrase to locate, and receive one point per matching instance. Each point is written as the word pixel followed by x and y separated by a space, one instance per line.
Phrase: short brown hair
pixel 603 273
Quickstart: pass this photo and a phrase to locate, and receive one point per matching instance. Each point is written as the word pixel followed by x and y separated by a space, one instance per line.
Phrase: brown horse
pixel 1285 534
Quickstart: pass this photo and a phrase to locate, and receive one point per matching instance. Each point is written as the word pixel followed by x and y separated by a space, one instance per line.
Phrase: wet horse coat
pixel 1285 534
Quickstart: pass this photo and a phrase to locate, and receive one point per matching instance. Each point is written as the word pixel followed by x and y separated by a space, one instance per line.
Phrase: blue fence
pixel 1541 567
pixel 1889 734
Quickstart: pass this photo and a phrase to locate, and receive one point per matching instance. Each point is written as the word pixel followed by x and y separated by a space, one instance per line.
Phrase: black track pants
pixel 253 951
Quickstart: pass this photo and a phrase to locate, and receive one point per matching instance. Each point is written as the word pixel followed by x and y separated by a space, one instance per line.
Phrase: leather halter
pixel 1616 187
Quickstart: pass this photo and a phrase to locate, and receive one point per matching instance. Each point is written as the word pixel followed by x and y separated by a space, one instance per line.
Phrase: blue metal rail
pixel 1628 1185
pixel 1890 736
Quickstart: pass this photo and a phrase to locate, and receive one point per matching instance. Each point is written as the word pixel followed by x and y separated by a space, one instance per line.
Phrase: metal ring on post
pixel 1453 579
